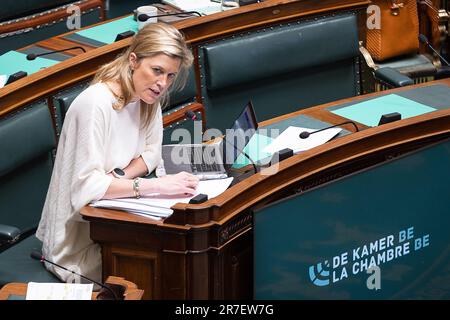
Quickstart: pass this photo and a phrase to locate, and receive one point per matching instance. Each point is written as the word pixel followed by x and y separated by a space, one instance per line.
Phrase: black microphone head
pixel 36 255
pixel 143 17
pixel 190 114
pixel 423 38
pixel 31 56
pixel 304 134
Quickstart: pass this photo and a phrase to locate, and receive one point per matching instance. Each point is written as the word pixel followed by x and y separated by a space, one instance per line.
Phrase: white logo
pixel 374 281
pixel 74 20
pixel 373 17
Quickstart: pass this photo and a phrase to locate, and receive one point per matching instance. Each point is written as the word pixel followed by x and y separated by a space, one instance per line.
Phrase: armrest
pixel 392 77
pixel 179 114
pixel 8 233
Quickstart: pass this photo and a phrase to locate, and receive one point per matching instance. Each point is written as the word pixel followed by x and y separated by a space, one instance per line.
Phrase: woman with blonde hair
pixel 112 136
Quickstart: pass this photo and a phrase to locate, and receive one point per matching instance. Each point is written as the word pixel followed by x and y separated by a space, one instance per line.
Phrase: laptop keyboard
pixel 203 159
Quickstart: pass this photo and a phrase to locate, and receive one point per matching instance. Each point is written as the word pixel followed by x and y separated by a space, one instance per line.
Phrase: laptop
pixel 211 161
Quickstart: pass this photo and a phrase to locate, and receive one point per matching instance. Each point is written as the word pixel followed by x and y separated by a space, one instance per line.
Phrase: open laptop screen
pixel 244 127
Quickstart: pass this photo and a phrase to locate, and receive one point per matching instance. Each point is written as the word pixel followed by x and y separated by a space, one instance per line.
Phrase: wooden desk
pixel 131 290
pixel 204 251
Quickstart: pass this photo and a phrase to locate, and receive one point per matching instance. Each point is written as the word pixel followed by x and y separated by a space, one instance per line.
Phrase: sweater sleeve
pixel 153 142
pixel 84 151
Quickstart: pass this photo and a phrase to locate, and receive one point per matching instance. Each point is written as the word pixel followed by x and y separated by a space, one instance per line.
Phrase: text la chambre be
pixel 376 253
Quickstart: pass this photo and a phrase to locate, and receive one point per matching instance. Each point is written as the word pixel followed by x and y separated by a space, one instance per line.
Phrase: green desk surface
pixel 265 135
pixel 369 112
pixel 436 96
pixel 13 61
pixel 107 32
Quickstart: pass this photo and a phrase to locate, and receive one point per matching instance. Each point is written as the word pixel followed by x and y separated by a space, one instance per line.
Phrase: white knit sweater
pixel 95 139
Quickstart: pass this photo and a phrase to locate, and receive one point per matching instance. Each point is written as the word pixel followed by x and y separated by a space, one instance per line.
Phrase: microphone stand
pixel 255 168
pixel 37 256
pixel 306 134
pixel 32 56
pixel 144 17
pixel 424 40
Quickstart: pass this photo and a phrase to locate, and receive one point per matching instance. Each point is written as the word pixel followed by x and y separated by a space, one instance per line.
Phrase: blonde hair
pixel 153 39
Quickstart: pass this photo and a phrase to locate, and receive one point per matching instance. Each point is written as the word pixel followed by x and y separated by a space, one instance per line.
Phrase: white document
pixel 59 291
pixel 3 79
pixel 289 138
pixel 157 206
pixel 204 7
pixel 138 206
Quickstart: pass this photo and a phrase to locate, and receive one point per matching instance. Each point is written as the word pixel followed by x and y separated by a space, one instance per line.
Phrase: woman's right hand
pixel 180 183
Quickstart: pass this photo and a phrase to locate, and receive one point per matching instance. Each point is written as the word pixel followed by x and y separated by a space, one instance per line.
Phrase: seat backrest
pixel 184 96
pixel 62 102
pixel 34 20
pixel 180 100
pixel 281 68
pixel 27 143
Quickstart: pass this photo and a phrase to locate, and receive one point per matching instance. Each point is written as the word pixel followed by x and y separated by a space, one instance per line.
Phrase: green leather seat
pixel 16 264
pixel 282 68
pixel 27 141
pixel 62 102
pixel 178 100
pixel 14 11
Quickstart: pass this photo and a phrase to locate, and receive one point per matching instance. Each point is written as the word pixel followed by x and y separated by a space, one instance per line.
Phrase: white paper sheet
pixel 158 206
pixel 3 79
pixel 59 291
pixel 289 138
pixel 204 7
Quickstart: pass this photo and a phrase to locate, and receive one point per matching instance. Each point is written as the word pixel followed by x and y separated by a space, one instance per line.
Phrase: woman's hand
pixel 180 183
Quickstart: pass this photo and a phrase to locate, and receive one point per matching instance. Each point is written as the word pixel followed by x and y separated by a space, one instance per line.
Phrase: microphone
pixel 37 256
pixel 306 134
pixel 32 56
pixel 144 17
pixel 424 40
pixel 191 115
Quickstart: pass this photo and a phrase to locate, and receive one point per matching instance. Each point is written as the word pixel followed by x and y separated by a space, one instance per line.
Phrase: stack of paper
pixel 3 79
pixel 157 206
pixel 289 138
pixel 59 291
pixel 204 7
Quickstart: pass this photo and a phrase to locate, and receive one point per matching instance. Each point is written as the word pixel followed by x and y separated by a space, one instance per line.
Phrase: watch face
pixel 119 172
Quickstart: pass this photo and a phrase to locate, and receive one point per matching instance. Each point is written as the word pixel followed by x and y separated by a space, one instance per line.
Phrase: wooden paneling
pixel 142 268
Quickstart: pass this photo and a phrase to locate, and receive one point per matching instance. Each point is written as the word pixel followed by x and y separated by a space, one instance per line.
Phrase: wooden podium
pixel 205 251
pixel 131 292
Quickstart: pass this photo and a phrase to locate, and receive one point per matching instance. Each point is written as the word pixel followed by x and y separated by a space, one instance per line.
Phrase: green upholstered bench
pixel 180 101
pixel 281 68
pixel 62 102
pixel 27 141
pixel 16 264
pixel 23 22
